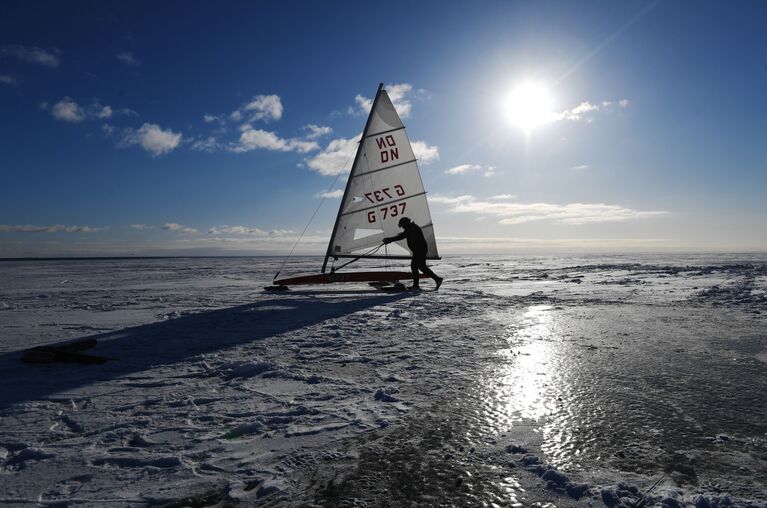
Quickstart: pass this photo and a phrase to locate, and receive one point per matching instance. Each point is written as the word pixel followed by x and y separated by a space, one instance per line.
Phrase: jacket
pixel 415 239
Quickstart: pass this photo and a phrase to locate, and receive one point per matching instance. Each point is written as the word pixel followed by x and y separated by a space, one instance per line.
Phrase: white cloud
pixel 152 138
pixel 249 231
pixel 457 244
pixel 140 227
pixel 102 111
pixel 334 194
pixel 172 226
pixel 449 200
pixel 336 158
pixel 463 168
pixel 400 95
pixel 68 110
pixel 585 108
pixel 212 118
pixel 261 107
pixel 241 230
pixel 425 153
pixel 108 129
pixel 31 55
pixel 7 80
pixel 363 105
pixel 579 111
pixel 580 167
pixel 503 196
pixel 210 145
pixel 253 139
pixel 518 213
pixel 316 131
pixel 56 228
pixel 125 112
pixel 127 58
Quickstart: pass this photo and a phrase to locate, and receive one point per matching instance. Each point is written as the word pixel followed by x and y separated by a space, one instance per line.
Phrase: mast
pixel 328 253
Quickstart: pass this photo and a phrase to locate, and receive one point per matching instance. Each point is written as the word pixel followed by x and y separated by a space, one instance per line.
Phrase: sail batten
pixel 385 132
pixel 383 186
pixel 383 203
pixel 384 169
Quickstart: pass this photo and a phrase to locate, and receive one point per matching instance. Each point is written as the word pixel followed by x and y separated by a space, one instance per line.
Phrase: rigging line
pixel 324 197
pixel 368 253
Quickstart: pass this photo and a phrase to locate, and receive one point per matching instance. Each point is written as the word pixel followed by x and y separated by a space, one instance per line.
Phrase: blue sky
pixel 153 128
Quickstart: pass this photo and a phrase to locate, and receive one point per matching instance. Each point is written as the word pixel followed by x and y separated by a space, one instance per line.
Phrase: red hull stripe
pixel 329 278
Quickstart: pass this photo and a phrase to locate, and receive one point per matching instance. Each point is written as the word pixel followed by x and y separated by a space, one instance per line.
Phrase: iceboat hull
pixel 330 278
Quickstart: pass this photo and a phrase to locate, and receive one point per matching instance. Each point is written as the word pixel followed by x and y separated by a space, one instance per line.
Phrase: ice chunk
pixel 255 427
pixel 384 396
pixel 530 459
pixel 555 476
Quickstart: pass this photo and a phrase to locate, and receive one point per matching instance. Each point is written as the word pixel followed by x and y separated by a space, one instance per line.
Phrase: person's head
pixel 403 222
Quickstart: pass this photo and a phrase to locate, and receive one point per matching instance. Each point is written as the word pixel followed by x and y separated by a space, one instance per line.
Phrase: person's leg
pixel 427 271
pixel 414 268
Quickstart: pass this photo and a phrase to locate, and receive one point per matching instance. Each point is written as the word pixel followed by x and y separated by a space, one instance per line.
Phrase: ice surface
pixel 548 381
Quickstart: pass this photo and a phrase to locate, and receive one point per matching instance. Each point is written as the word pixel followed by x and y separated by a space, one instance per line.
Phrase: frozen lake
pixel 549 381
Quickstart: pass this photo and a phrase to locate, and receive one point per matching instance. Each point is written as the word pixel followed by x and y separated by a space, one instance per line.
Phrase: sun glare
pixel 529 105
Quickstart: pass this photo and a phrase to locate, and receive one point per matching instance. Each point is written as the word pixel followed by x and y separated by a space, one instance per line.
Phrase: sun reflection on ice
pixel 528 375
pixel 516 388
pixel 536 384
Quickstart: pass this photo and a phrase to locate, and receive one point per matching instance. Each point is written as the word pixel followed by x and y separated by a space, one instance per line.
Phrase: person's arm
pixel 391 239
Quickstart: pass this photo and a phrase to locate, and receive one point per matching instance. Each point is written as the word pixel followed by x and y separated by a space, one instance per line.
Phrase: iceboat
pixel 383 186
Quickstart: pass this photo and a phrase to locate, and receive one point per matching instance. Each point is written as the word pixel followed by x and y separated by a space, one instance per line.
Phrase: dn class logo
pixel 388 148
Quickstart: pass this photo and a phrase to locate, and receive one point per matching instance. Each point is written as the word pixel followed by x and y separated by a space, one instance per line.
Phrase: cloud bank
pixel 471 168
pixel 55 228
pixel 334 194
pixel 509 212
pixel 173 226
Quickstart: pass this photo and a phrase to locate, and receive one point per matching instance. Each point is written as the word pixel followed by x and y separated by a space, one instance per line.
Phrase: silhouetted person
pixel 417 245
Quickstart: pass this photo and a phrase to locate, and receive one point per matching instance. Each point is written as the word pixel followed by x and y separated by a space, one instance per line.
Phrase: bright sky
pixel 153 128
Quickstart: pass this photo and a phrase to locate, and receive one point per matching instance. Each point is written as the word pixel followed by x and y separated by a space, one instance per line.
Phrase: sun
pixel 529 105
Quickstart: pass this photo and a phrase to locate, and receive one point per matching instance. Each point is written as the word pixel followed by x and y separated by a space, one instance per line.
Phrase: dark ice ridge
pixel 621 495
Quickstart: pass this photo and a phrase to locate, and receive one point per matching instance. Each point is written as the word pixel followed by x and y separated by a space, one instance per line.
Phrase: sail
pixel 384 185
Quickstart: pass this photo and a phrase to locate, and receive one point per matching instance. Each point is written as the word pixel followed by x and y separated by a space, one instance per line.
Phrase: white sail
pixel 384 185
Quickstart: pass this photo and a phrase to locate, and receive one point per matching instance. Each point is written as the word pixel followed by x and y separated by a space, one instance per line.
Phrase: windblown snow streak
pixel 523 380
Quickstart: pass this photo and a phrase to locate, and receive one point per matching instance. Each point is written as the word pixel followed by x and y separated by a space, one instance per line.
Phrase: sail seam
pixel 387 167
pixel 384 204
pixel 385 132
